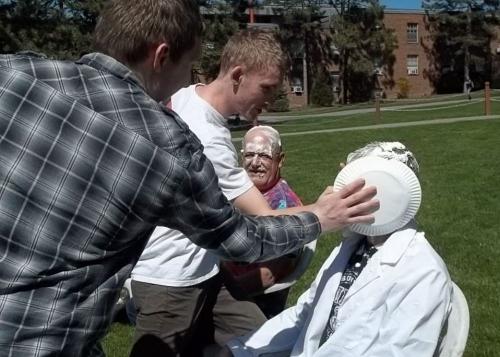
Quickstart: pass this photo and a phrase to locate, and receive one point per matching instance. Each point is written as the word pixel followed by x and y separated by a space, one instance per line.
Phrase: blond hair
pixel 256 50
pixel 126 29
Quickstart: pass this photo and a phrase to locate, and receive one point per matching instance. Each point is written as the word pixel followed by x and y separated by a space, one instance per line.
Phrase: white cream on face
pixel 259 145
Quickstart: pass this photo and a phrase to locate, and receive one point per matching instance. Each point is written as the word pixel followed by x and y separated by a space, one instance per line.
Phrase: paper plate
pixel 398 191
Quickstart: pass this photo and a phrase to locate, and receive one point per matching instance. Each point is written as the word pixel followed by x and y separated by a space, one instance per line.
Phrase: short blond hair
pixel 256 50
pixel 127 28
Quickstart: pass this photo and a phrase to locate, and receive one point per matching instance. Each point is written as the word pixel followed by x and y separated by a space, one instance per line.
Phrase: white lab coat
pixel 396 307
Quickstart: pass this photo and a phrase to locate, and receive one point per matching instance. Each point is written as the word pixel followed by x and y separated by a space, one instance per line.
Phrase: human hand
pixel 267 277
pixel 352 204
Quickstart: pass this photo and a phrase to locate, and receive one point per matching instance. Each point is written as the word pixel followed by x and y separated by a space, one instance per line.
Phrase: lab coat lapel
pixel 328 285
pixel 389 253
pixel 370 273
pixel 331 277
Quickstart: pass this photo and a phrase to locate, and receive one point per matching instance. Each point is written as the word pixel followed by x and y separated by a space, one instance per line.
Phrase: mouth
pixel 259 174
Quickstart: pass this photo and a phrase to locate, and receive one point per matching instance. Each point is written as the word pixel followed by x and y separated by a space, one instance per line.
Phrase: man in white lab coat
pixel 373 297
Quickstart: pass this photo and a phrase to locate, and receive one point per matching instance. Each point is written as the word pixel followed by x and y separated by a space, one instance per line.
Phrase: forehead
pixel 257 141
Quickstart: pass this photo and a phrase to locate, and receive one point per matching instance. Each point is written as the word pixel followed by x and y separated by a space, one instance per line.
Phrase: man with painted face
pixel 176 284
pixel 263 158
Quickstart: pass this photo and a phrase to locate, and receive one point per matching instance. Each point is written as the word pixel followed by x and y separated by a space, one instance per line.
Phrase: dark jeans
pixel 181 321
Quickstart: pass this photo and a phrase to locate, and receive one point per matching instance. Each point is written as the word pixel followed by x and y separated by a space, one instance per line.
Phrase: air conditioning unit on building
pixel 412 71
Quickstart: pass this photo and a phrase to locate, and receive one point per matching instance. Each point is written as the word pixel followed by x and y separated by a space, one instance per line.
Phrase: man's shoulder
pixel 38 65
pixel 204 121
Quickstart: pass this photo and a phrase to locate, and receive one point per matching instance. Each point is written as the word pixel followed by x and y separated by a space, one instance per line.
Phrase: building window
pixel 412 33
pixel 412 64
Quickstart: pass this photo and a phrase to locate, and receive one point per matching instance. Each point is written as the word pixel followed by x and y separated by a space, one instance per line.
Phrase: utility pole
pixel 251 12
pixel 466 47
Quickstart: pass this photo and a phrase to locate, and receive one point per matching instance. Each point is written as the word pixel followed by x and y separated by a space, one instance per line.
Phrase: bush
pixel 403 88
pixel 321 92
pixel 280 103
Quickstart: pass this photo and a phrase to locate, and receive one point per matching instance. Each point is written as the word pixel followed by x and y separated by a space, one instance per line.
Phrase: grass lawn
pixel 385 102
pixel 459 212
pixel 335 121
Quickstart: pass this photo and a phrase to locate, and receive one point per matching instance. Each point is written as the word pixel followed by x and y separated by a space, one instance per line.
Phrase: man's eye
pixel 265 156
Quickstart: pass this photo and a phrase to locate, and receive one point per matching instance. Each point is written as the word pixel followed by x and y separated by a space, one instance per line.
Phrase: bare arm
pixel 334 209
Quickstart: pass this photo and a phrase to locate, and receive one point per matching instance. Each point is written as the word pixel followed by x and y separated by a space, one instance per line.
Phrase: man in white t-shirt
pixel 178 291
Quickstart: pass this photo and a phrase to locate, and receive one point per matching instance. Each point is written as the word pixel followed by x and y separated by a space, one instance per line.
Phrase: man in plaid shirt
pixel 90 163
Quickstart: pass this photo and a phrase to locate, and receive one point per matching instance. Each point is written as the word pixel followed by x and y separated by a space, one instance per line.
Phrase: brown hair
pixel 254 49
pixel 127 28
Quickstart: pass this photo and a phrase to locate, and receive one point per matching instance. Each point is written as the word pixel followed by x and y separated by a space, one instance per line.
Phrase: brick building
pixel 412 61
pixel 412 66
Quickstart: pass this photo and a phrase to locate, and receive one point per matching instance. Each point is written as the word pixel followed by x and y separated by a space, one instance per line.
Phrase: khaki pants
pixel 181 321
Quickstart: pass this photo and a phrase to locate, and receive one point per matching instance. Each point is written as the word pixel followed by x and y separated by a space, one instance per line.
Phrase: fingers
pixel 351 188
pixel 363 212
pixel 361 196
pixel 354 203
pixel 362 205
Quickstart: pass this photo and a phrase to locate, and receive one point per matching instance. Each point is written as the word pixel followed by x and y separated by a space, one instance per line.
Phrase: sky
pixel 402 4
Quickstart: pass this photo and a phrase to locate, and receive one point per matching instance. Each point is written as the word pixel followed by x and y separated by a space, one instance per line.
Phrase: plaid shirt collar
pixel 105 63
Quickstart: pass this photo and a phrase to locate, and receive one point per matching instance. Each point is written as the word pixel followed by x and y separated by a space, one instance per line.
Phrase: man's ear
pixel 282 160
pixel 161 56
pixel 236 74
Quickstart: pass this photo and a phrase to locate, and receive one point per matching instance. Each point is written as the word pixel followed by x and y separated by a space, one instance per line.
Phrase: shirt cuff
pixel 312 227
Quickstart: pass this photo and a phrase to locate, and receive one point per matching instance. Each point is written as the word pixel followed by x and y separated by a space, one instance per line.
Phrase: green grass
pixel 459 213
pixel 385 102
pixel 440 111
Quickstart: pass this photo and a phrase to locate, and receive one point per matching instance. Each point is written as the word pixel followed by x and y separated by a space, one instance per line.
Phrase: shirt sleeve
pixel 192 202
pixel 233 179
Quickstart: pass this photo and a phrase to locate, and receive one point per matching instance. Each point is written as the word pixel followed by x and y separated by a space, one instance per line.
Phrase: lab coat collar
pixel 389 253
pixel 394 247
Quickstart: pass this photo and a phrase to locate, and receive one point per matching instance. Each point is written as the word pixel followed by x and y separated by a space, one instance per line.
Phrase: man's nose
pixel 255 160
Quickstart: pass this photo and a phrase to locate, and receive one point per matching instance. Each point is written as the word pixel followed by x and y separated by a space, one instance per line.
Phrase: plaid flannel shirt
pixel 89 165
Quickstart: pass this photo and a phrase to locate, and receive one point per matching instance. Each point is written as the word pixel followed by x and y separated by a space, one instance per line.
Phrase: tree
pixel 321 91
pixel 57 28
pixel 280 102
pixel 461 32
pixel 220 21
pixel 365 47
pixel 304 34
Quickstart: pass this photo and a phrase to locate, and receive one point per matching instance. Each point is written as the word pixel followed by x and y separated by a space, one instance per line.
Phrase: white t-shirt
pixel 170 258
